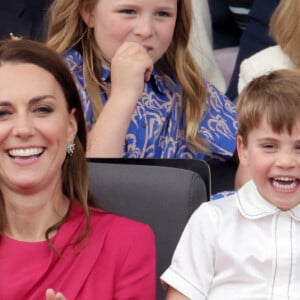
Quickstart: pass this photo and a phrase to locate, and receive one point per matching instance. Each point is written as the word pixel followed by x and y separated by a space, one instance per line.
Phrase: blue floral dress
pixel 157 126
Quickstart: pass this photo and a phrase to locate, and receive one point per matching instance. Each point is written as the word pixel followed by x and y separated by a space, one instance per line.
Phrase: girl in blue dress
pixel 142 92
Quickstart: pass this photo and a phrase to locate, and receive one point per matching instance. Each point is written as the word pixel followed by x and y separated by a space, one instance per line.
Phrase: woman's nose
pixel 23 126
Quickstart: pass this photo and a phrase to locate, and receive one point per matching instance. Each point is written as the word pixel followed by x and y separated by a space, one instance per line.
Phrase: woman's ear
pixel 242 151
pixel 87 16
pixel 72 127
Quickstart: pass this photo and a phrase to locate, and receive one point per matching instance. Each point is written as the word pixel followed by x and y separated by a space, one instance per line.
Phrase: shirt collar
pixel 253 206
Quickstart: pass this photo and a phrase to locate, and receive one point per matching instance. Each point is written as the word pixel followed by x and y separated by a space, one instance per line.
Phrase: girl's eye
pixel 163 14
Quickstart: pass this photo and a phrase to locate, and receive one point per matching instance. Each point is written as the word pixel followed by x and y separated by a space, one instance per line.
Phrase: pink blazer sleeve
pixel 136 278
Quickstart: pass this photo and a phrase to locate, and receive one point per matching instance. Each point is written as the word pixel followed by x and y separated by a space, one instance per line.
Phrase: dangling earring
pixel 88 33
pixel 70 148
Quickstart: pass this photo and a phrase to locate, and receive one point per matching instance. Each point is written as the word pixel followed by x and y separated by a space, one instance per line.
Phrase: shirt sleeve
pixel 192 267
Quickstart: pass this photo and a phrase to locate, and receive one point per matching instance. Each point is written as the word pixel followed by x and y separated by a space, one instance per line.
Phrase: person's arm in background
pixel 255 38
pixel 201 44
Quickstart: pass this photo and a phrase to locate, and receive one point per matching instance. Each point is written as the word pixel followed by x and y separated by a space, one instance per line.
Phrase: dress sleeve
pixel 219 124
pixel 136 278
pixel 192 267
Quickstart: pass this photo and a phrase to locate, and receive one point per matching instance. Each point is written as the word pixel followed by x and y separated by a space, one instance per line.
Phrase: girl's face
pixel 35 127
pixel 150 23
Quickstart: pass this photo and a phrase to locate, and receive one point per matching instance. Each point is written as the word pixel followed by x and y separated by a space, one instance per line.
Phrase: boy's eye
pixel 128 11
pixel 269 147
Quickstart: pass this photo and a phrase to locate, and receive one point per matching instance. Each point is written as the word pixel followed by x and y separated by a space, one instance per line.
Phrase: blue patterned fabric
pixel 221 195
pixel 157 126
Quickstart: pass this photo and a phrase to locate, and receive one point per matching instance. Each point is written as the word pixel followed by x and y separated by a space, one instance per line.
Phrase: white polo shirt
pixel 238 248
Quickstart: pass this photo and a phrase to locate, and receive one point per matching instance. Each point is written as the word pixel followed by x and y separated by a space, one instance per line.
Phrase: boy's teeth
pixel 285 179
pixel 25 152
pixel 285 182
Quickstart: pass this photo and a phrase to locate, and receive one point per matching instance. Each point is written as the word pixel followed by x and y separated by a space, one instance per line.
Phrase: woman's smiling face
pixel 35 127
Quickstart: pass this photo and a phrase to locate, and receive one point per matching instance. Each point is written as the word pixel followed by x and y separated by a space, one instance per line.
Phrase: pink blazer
pixel 118 262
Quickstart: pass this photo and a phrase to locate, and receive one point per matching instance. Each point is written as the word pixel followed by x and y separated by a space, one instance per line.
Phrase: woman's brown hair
pixel 74 168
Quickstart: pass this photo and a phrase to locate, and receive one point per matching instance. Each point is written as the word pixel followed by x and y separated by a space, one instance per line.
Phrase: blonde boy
pixel 247 245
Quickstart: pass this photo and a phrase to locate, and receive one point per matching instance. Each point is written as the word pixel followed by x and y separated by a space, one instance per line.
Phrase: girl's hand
pixel 131 66
pixel 51 295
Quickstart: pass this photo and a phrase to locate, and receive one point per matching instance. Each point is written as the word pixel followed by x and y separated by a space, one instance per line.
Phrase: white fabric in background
pixel 263 62
pixel 201 45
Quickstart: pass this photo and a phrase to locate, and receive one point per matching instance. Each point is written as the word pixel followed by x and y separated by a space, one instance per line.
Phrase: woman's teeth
pixel 25 152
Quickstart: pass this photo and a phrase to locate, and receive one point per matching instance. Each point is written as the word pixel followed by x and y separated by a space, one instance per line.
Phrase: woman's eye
pixel 4 113
pixel 43 109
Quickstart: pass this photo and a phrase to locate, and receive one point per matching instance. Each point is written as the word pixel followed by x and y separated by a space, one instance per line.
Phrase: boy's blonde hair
pixel 67 30
pixel 276 96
